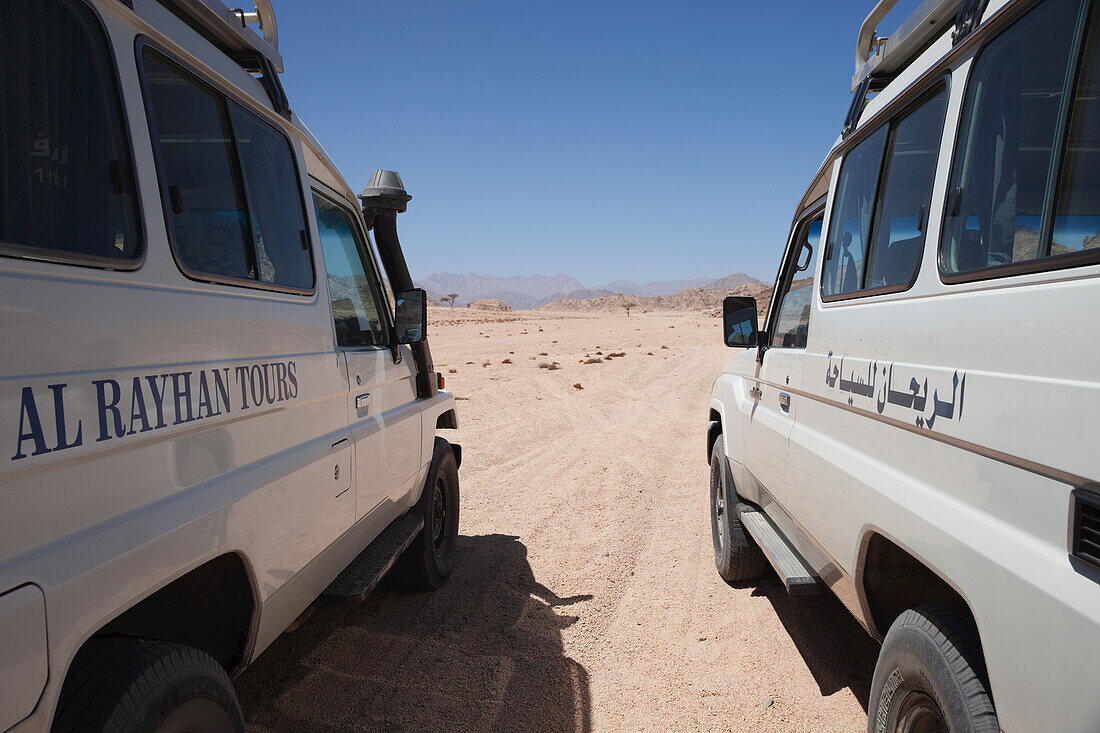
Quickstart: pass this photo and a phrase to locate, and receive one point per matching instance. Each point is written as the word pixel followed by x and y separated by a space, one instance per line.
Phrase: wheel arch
pixel 447 420
pixel 212 607
pixel 724 404
pixel 892 578
pixel 714 431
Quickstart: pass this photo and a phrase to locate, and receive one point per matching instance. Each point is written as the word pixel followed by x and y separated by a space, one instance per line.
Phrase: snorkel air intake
pixel 383 199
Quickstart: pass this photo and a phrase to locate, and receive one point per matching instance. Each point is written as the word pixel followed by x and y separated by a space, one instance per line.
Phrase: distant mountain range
pixel 536 291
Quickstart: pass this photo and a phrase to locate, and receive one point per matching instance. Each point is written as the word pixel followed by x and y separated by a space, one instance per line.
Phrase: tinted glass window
pixel 205 197
pixel 1077 214
pixel 278 223
pixel 793 323
pixel 876 234
pixel 1003 156
pixel 850 225
pixel 232 188
pixel 66 181
pixel 906 194
pixel 354 294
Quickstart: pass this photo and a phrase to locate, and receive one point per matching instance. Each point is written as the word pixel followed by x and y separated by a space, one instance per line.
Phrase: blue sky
pixel 647 141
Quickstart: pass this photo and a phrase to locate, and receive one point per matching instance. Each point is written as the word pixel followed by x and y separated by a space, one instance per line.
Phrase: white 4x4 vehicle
pixel 913 425
pixel 210 413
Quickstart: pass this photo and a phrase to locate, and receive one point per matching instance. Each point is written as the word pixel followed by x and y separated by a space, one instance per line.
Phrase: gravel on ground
pixel 585 595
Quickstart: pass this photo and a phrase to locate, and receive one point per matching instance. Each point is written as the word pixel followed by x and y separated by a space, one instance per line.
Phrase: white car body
pixel 154 423
pixel 954 420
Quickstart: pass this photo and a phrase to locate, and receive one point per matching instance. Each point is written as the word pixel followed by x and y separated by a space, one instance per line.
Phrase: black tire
pixel 931 676
pixel 431 557
pixel 122 685
pixel 736 555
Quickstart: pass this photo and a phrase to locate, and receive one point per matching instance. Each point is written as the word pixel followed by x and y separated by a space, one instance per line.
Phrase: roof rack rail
pixel 881 58
pixel 229 29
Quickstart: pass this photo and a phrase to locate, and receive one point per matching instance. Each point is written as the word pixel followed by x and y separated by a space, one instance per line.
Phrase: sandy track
pixel 585 595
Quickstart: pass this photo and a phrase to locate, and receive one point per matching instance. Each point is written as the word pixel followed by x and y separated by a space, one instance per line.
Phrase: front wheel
pixel 930 676
pixel 431 557
pixel 736 555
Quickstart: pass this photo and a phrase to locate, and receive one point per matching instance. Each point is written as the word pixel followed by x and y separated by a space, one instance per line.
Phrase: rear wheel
pixel 431 557
pixel 136 686
pixel 930 676
pixel 736 555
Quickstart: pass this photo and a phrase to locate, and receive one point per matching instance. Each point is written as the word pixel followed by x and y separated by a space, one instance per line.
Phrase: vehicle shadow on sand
pixel 482 653
pixel 837 650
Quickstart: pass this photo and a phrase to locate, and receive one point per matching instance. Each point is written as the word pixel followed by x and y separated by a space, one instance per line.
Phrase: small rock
pixel 767 703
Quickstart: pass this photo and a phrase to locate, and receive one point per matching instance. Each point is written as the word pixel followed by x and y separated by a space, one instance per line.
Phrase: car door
pixel 769 414
pixel 382 410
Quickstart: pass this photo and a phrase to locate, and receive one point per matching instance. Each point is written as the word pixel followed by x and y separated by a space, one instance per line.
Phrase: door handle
pixel 785 401
pixel 362 402
pixel 756 393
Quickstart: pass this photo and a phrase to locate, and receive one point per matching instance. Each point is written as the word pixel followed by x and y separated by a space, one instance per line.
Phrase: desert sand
pixel 585 595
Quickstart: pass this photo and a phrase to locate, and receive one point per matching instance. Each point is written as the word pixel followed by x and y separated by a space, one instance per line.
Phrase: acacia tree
pixel 451 298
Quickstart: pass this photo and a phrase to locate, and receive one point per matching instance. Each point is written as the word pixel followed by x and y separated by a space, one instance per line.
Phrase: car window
pixel 206 208
pixel 232 189
pixel 275 201
pixel 355 294
pixel 850 226
pixel 876 235
pixel 793 321
pixel 908 173
pixel 1077 213
pixel 66 178
pixel 1005 154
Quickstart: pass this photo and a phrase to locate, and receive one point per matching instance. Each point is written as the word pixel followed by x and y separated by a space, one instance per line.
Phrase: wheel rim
pixel 194 715
pixel 439 516
pixel 919 713
pixel 718 508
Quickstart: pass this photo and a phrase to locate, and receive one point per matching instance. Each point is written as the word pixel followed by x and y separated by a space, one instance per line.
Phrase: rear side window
pixel 1077 212
pixel 850 225
pixel 66 178
pixel 1015 204
pixel 876 234
pixel 230 184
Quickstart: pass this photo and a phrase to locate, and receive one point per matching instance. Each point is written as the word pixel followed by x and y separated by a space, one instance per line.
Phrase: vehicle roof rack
pixel 882 58
pixel 229 30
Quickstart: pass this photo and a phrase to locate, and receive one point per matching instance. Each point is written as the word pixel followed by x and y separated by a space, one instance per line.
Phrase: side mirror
pixel 411 316
pixel 739 322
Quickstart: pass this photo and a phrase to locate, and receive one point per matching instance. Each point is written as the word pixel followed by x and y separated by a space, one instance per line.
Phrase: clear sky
pixel 603 140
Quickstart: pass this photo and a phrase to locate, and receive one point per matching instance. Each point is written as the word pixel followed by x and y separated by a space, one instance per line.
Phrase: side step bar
pixel 799 578
pixel 367 570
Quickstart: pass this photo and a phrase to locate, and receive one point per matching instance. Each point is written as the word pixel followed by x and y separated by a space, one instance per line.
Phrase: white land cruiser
pixel 209 411
pixel 913 426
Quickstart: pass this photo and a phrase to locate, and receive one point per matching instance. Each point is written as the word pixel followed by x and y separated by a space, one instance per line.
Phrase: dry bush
pixel 616 354
pixel 594 360
pixel 577 386
pixel 543 353
pixel 551 365
pixel 506 361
